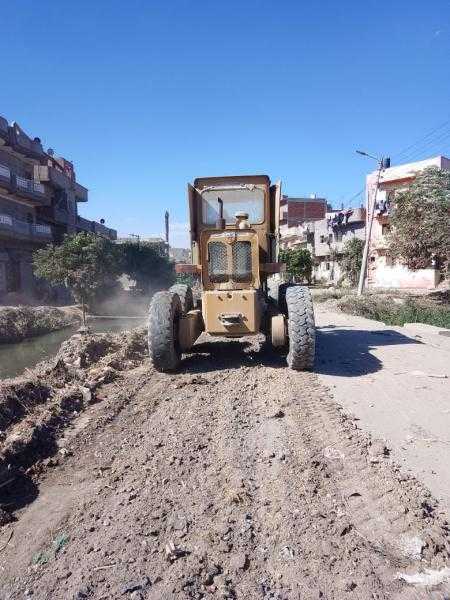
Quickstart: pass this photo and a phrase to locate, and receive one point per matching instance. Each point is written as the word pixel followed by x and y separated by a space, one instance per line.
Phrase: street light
pixel 365 154
pixel 383 163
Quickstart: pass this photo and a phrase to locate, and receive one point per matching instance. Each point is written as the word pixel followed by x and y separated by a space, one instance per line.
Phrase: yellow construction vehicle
pixel 234 226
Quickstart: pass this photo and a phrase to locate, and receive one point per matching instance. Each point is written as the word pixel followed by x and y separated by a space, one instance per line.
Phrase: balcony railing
pixel 6 220
pixel 5 172
pixel 30 188
pixel 81 193
pixel 41 230
pixel 22 229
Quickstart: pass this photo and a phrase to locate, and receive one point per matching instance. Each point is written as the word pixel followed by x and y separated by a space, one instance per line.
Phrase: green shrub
pixel 387 310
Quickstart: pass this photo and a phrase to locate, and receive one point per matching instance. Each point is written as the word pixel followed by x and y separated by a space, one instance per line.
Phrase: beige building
pixel 330 236
pixel 324 236
pixel 383 271
pixel 39 198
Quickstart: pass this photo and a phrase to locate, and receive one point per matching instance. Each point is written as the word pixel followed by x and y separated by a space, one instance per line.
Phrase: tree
pixel 85 263
pixel 148 265
pixel 298 263
pixel 352 259
pixel 421 221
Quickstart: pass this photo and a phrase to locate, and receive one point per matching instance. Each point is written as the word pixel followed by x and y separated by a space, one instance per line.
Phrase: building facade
pixel 330 237
pixel 310 223
pixel 383 271
pixel 39 198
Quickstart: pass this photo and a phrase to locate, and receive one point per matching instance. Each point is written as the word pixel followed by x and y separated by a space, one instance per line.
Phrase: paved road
pixel 393 382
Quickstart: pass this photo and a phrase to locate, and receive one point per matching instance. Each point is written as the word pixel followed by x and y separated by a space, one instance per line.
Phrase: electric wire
pixel 428 147
pixel 399 155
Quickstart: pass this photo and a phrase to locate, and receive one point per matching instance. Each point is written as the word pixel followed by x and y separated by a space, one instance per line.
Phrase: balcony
pixel 42 232
pixel 33 190
pixel 5 176
pixel 21 143
pixel 16 229
pixel 54 177
pixel 358 215
pixel 383 219
pixel 81 193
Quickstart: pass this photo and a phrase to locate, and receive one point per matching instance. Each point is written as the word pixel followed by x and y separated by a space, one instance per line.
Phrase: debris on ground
pixel 181 486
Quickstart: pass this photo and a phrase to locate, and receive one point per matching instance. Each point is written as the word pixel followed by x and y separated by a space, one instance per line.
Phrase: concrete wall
pixel 399 276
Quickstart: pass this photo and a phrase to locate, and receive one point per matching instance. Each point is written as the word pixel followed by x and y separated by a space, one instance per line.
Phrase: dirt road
pixel 235 478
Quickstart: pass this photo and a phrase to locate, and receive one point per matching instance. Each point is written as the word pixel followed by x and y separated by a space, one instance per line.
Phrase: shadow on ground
pixel 348 352
pixel 216 355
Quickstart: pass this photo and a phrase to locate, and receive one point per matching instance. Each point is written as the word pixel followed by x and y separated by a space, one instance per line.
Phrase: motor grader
pixel 234 227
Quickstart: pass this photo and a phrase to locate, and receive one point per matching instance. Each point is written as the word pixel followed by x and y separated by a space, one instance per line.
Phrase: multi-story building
pixel 295 212
pixel 310 223
pixel 39 197
pixel 330 236
pixel 297 218
pixel 383 271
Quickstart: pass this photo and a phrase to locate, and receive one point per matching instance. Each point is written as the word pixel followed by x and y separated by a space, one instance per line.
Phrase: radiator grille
pixel 217 262
pixel 242 261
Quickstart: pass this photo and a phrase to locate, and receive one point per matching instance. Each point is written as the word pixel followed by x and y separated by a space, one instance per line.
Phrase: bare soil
pixel 235 478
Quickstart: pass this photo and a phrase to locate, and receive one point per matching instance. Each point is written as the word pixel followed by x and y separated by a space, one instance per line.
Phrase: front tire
pixel 301 328
pixel 163 331
pixel 184 292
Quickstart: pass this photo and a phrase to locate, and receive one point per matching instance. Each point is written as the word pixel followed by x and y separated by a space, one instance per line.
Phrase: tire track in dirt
pixel 236 478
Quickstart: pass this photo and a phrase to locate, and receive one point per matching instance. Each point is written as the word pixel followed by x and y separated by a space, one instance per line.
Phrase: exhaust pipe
pixel 220 223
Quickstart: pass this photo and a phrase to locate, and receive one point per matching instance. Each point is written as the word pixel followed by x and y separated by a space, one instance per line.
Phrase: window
pixel 385 229
pixel 330 238
pixel 246 199
pixel 338 236
pixel 322 239
pixel 327 266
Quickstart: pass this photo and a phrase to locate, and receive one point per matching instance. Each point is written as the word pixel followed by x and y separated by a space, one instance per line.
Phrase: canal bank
pixel 16 357
pixel 21 322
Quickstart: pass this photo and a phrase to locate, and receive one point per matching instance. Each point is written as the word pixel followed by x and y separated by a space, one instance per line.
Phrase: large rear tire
pixel 184 292
pixel 163 331
pixel 301 328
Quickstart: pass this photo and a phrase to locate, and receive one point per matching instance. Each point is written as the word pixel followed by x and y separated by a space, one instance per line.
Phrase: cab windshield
pixel 247 199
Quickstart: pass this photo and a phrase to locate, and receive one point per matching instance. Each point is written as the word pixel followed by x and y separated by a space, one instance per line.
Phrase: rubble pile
pixel 37 406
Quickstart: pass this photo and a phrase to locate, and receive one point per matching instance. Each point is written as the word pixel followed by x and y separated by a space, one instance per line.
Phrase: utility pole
pixel 362 274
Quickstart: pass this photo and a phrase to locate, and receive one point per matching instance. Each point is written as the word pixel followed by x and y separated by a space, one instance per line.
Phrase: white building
pixel 383 271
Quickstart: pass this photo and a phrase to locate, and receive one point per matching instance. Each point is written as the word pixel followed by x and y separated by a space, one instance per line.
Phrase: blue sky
pixel 145 95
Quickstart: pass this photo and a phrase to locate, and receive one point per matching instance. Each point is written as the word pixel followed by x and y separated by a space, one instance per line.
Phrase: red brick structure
pixel 295 211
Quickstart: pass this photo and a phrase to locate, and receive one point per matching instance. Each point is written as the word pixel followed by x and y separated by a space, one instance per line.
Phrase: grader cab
pixel 234 225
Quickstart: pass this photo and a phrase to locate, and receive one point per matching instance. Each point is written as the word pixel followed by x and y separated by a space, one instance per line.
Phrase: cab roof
pixel 202 182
